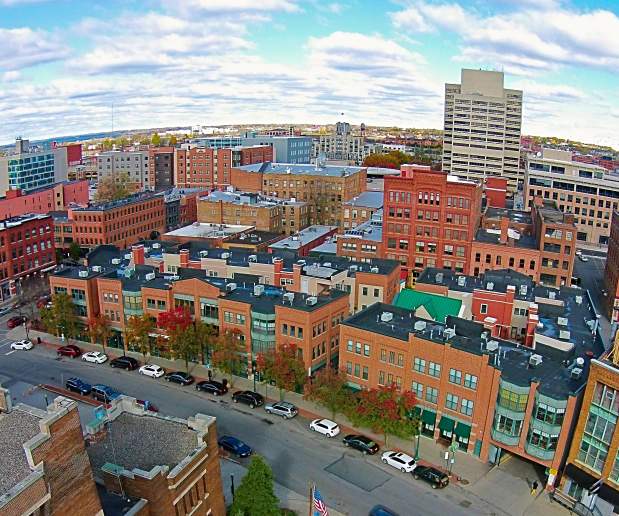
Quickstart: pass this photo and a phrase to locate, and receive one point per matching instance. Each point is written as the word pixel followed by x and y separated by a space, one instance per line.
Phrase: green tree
pixel 60 318
pixel 229 353
pixel 113 187
pixel 156 139
pixel 255 496
pixel 173 140
pixel 75 251
pixel 99 330
pixel 284 367
pixel 107 144
pixel 137 333
pixel 328 388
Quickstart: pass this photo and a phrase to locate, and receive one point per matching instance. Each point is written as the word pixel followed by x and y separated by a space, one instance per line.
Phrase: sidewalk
pixel 507 491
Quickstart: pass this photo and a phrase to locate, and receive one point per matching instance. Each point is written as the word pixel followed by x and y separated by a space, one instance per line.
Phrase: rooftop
pixel 435 306
pixel 367 199
pixel 208 230
pixel 16 428
pixel 132 199
pixel 326 248
pixel 516 239
pixel 250 198
pixel 300 169
pixel 368 230
pixel 13 222
pixel 303 237
pixel 518 216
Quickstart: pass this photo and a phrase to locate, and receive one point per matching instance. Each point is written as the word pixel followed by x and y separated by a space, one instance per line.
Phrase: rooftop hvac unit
pixel 386 316
pixel 461 281
pixel 564 335
pixel 492 345
pixel 439 277
pixel 146 250
pixel 562 321
pixel 326 264
pixel 203 253
pixel 83 274
pixel 277 259
pixel 449 333
pixel 523 290
pixel 552 294
pixel 128 256
pixel 489 285
pixel 535 360
pixel 374 270
pixel 115 261
pixel 252 258
pixel 289 296
pixel 420 325
pixel 150 276
pixel 353 268
pixel 230 287
pixel 580 362
pixel 301 262
pixel 225 256
pixel 575 373
pixel 156 245
pixel 96 268
pixel 311 300
pixel 258 290
pixel 578 300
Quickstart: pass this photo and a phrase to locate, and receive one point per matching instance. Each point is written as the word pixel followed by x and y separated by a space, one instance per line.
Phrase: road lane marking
pixel 10 352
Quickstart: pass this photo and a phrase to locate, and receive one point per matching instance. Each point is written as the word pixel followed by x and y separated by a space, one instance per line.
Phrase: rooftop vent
pixel 156 245
pixel 252 258
pixel 552 294
pixel 564 335
pixel 311 300
pixel 289 296
pixel 523 290
pixel 353 268
pixel 225 256
pixel 258 290
pixel 277 259
pixel 492 345
pixel 580 362
pixel 150 276
pixel 386 316
pixel 562 321
pixel 578 300
pixel 96 268
pixel 203 253
pixel 301 262
pixel 439 277
pixel 230 287
pixel 535 360
pixel 461 281
pixel 489 285
pixel 420 325
pixel 575 373
pixel 374 270
pixel 128 256
pixel 449 333
pixel 115 261
pixel 326 264
pixel 83 274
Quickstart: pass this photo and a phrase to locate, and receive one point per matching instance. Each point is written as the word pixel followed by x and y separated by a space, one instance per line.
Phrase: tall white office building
pixel 482 128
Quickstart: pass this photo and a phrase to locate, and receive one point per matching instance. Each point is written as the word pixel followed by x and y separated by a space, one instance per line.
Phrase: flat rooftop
pixel 132 199
pixel 516 239
pixel 14 222
pixel 249 198
pixel 369 230
pixel 208 230
pixel 143 442
pixel 16 428
pixel 518 216
pixel 303 237
pixel 301 169
pixel 367 199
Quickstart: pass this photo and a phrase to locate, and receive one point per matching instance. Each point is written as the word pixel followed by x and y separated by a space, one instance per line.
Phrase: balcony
pixel 509 440
pixel 540 453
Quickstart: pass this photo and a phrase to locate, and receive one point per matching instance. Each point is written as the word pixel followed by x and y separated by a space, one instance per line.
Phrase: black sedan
pixel 212 387
pixel 251 398
pixel 124 362
pixel 434 477
pixel 179 377
pixel 361 443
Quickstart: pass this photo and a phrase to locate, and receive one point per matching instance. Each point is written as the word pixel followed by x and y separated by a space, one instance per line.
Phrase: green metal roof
pixel 439 307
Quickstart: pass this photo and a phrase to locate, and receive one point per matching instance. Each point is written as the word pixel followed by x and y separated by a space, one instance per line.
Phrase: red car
pixel 69 351
pixel 15 321
pixel 43 301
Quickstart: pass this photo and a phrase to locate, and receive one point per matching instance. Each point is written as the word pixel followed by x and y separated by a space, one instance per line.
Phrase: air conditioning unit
pixel 552 294
pixel 578 300
pixel 523 290
pixel 575 373
pixel 562 321
pixel 149 276
pixel 156 245
pixel 258 290
pixel 128 256
pixel 439 277
pixel 225 256
pixel 490 285
pixel 535 360
pixel 420 325
pixel 96 268
pixel 301 262
pixel 252 258
pixel 83 274
pixel 203 253
pixel 326 264
pixel 564 335
pixel 230 287
pixel 277 259
pixel 311 300
pixel 461 281
pixel 374 270
pixel 386 316
pixel 492 345
pixel 115 261
pixel 353 268
pixel 289 296
pixel 449 333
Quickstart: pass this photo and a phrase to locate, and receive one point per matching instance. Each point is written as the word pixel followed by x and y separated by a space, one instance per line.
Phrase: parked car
pixel 42 301
pixel 234 445
pixel 22 344
pixel 152 370
pixel 6 309
pixel 399 460
pixel 97 357
pixel 104 393
pixel 361 443
pixel 147 405
pixel 282 408
pixel 125 362
pixel 179 377
pixel 381 510
pixel 325 427
pixel 15 321
pixel 79 386
pixel 212 387
pixel 251 398
pixel 433 476
pixel 69 351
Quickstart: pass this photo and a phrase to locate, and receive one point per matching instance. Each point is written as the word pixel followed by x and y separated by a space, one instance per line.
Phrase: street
pixel 591 274
pixel 348 481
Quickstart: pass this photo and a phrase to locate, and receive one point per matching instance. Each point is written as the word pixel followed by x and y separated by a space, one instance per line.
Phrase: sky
pixel 67 65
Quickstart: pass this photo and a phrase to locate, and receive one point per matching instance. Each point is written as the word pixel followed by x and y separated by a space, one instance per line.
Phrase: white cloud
pixel 11 76
pixel 24 47
pixel 232 6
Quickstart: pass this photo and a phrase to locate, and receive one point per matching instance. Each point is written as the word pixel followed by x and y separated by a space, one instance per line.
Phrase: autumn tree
pixel 386 410
pixel 60 318
pixel 328 388
pixel 229 354
pixel 180 329
pixel 137 333
pixel 75 251
pixel 156 139
pixel 173 141
pixel 394 159
pixel 99 330
pixel 284 367
pixel 256 496
pixel 113 188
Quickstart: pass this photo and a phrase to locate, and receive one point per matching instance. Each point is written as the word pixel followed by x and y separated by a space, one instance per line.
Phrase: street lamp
pixel 254 370
pixel 418 438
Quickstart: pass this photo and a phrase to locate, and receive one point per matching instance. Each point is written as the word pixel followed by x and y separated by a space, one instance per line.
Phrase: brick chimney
pixel 137 252
pixel 184 257
pixel 532 320
pixel 490 324
pixel 503 238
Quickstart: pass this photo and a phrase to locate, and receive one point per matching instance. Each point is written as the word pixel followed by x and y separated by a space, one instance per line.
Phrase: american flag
pixel 318 506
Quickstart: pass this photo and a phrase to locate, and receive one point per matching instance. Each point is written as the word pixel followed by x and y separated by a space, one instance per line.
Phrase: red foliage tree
pixel 177 319
pixel 283 366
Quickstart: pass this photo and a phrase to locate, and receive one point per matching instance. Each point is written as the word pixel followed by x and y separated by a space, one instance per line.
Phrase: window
pixel 432 395
pixel 383 355
pixel 392 357
pixel 366 350
pixel 349 367
pixel 285 332
pixel 542 440
pixel 466 407
pixel 455 376
pixel 451 402
pixel 512 400
pixel 470 381
pixel 357 370
pixel 400 360
pixel 548 414
pixel 365 373
pixel 606 398
pixel 417 389
pixel 507 425
pixel 483 309
pixel 381 377
pixel 434 370
pixel 419 365
pixel 358 348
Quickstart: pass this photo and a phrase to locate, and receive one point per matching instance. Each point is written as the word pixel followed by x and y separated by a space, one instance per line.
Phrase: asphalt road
pixel 591 274
pixel 296 455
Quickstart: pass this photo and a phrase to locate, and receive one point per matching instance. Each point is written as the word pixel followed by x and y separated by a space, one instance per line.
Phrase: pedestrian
pixel 210 375
pixel 534 487
pixel 39 340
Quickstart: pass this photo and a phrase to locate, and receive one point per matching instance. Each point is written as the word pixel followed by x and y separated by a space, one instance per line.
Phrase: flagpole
pixel 311 498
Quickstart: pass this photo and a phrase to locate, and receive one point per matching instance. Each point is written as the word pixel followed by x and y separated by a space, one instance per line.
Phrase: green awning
pixel 428 417
pixel 446 424
pixel 462 430
pixel 414 413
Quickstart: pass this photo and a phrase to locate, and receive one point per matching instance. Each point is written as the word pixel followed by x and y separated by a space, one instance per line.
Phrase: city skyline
pixel 210 62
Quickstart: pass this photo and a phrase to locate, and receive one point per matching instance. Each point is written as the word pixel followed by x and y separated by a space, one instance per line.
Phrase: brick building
pixel 489 396
pixel 429 219
pixel 171 463
pixel 133 163
pixel 611 271
pixel 26 249
pixel 361 208
pixel 364 241
pixel 324 188
pixel 120 222
pixel 44 468
pixel 210 168
pixel 56 197
pixel 181 207
pixel 161 167
pixel 302 242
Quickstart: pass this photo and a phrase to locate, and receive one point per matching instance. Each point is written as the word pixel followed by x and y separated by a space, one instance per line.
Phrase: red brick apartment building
pixel 489 396
pixel 429 219
pixel 57 197
pixel 161 167
pixel 209 168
